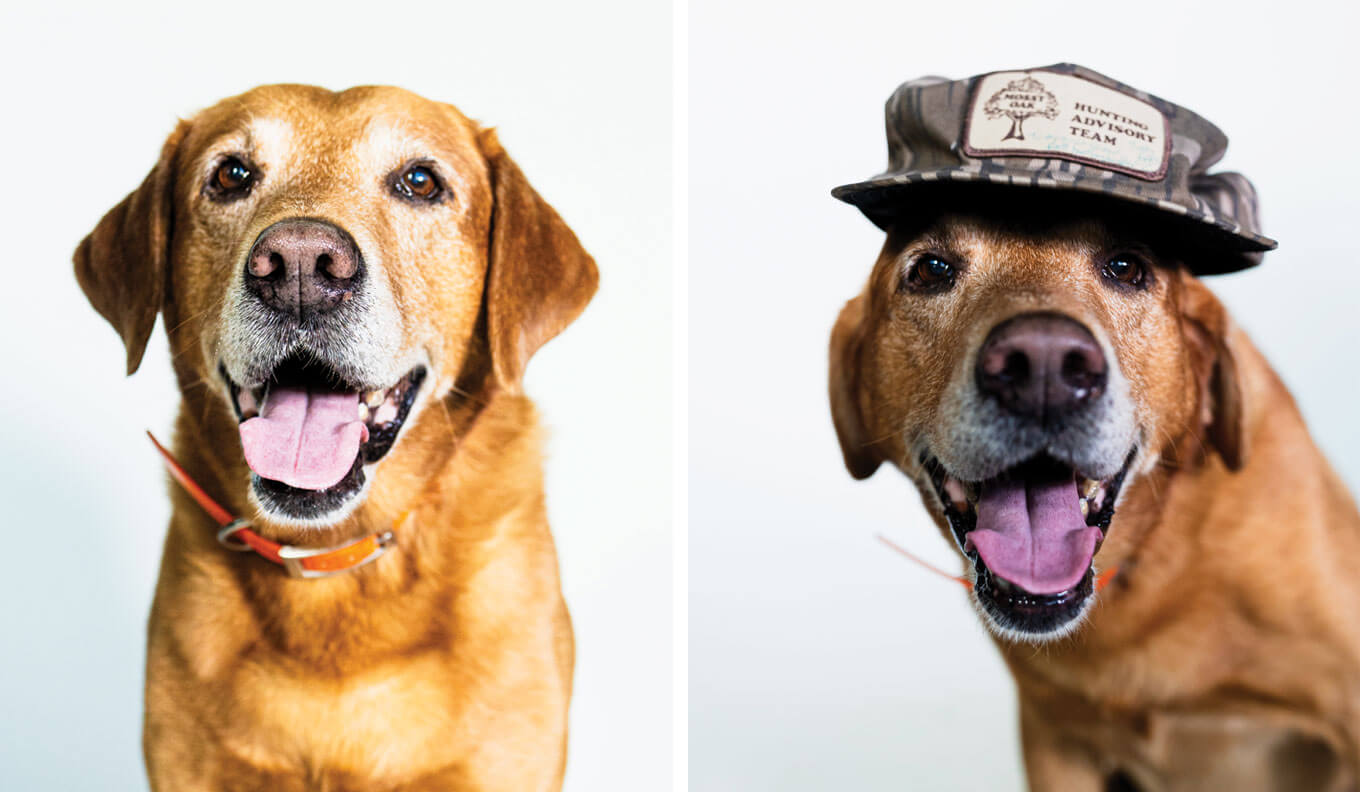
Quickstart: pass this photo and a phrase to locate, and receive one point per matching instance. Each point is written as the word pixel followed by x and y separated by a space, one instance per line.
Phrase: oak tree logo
pixel 1021 99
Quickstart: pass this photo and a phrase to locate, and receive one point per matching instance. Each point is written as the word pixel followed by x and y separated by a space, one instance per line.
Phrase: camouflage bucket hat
pixel 1065 127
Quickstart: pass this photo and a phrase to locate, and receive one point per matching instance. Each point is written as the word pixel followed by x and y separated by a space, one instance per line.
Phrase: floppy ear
pixel 847 341
pixel 1207 328
pixel 122 264
pixel 540 277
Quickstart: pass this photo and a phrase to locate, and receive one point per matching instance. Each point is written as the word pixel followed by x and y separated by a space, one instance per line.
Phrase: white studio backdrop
pixel 581 95
pixel 818 659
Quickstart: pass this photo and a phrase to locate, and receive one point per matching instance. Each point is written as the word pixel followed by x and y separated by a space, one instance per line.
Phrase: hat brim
pixel 1231 248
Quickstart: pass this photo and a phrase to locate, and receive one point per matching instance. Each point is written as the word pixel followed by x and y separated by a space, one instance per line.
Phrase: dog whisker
pixel 200 316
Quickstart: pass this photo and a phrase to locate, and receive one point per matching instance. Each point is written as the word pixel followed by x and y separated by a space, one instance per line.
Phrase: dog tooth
pixel 1085 508
pixel 363 412
pixel 954 488
pixel 1089 487
pixel 385 413
pixel 374 397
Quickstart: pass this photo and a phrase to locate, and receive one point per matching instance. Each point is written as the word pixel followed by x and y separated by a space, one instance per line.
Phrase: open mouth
pixel 307 433
pixel 1031 533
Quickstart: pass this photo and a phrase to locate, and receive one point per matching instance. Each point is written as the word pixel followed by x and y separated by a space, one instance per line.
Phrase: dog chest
pixel 1212 750
pixel 383 723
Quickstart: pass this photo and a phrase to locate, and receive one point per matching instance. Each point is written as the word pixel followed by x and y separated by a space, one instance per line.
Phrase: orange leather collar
pixel 301 562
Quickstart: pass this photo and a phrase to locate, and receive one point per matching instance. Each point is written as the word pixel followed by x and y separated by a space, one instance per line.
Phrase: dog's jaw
pixel 383 413
pixel 1010 611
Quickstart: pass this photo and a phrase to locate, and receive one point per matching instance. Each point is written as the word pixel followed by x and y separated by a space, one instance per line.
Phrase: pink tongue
pixel 1032 534
pixel 305 438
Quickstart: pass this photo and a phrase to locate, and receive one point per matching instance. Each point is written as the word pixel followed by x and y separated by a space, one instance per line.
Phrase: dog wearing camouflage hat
pixel 1126 480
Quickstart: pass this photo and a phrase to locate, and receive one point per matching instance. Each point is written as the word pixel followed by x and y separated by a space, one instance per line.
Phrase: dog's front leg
pixel 1054 763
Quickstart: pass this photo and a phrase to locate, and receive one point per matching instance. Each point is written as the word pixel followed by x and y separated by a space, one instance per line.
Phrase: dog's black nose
pixel 304 267
pixel 1041 365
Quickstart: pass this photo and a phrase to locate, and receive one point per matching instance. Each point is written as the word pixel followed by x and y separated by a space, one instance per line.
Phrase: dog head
pixel 1026 362
pixel 327 265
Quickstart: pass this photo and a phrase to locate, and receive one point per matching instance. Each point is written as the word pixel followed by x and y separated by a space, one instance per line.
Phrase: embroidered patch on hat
pixel 1046 114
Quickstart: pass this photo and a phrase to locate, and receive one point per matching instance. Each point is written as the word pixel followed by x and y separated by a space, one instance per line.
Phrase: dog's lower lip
pixel 301 503
pixel 1022 612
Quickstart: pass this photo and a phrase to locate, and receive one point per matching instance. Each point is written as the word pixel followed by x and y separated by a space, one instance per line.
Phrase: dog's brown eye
pixel 931 273
pixel 231 176
pixel 1126 269
pixel 418 182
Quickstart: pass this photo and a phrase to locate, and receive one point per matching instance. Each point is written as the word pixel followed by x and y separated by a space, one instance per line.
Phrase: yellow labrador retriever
pixel 1072 403
pixel 352 285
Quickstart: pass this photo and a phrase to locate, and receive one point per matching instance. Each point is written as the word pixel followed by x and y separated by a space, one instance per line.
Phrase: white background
pixel 581 94
pixel 818 659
